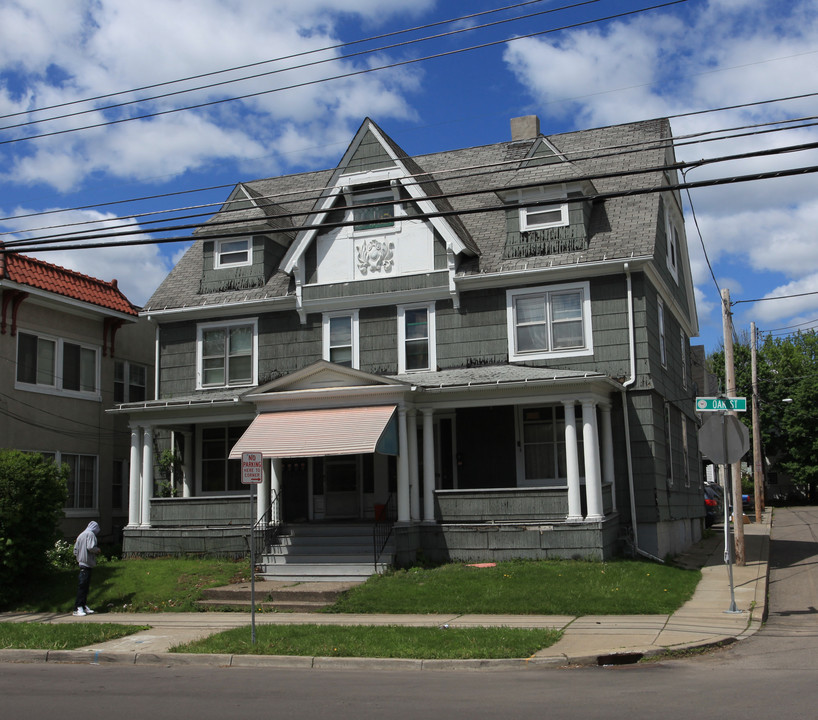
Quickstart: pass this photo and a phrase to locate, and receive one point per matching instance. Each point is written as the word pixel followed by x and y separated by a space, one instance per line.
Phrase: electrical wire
pixel 342 76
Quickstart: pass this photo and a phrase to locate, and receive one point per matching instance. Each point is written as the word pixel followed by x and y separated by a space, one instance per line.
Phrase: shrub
pixel 32 497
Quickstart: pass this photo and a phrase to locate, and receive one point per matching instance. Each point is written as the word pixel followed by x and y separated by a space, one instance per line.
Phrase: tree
pixel 32 496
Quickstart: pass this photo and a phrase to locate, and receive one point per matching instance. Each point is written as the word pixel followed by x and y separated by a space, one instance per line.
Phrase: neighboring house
pixel 492 343
pixel 71 347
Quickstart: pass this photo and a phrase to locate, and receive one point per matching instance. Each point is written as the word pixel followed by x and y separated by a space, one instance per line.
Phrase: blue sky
pixel 688 56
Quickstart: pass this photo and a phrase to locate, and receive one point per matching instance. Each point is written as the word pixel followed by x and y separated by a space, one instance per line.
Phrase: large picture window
pixel 49 364
pixel 542 436
pixel 219 474
pixel 549 322
pixel 227 354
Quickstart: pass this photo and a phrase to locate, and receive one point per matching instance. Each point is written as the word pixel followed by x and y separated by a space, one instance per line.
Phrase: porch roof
pixel 318 433
pixel 492 375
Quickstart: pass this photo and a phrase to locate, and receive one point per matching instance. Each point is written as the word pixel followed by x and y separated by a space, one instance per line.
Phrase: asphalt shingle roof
pixel 619 227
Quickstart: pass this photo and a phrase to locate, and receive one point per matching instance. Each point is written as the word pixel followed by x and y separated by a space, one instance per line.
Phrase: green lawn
pixel 45 636
pixel 137 585
pixel 621 587
pixel 387 642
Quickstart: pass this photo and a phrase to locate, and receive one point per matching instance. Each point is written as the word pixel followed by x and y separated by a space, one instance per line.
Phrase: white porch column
pixel 147 475
pixel 403 469
pixel 593 479
pixel 608 475
pixel 135 474
pixel 187 464
pixel 274 491
pixel 414 473
pixel 263 494
pixel 572 464
pixel 428 465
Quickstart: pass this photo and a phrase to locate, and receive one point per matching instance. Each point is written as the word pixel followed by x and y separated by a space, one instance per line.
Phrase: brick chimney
pixel 525 128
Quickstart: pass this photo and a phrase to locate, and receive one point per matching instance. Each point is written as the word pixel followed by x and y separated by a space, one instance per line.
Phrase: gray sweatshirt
pixel 86 549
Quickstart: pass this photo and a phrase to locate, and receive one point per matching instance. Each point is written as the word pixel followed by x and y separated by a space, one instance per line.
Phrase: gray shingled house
pixel 483 351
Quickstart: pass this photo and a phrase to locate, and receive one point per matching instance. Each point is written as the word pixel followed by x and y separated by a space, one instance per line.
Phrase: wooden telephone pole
pixel 758 465
pixel 730 391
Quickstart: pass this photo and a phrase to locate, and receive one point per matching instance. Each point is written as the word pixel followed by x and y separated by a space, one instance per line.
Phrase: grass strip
pixel 48 636
pixel 424 643
pixel 523 587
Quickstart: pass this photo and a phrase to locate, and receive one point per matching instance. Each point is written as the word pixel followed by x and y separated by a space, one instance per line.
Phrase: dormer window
pixel 373 208
pixel 233 253
pixel 540 216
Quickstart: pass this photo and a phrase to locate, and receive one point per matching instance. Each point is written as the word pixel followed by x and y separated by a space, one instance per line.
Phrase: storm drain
pixel 619 659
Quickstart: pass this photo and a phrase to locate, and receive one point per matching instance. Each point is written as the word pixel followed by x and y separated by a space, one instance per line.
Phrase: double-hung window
pixel 227 354
pixel 416 338
pixel 233 253
pixel 48 364
pixel 340 338
pixel 549 322
pixel 661 320
pixel 82 481
pixel 130 382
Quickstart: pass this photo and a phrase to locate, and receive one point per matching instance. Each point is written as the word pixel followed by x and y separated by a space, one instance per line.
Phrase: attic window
pixel 538 215
pixel 373 208
pixel 232 253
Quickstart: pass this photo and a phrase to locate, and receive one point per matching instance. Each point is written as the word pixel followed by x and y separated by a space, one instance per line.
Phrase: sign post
pixel 252 473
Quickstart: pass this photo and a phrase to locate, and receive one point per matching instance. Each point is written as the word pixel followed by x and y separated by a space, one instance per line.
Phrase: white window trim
pixel 325 323
pixel 217 253
pixel 660 307
pixel 253 323
pixel 672 259
pixel 57 388
pixel 587 349
pixel 537 198
pixel 430 308
pixel 397 209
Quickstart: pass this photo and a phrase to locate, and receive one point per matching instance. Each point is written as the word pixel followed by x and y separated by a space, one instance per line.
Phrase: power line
pixel 323 226
pixel 341 76
pixel 777 297
pixel 683 166
pixel 286 57
pixel 313 63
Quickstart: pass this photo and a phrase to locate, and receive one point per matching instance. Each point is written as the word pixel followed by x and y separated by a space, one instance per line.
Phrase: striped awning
pixel 319 433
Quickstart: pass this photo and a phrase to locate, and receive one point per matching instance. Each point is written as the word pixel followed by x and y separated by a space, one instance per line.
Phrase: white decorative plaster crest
pixel 375 256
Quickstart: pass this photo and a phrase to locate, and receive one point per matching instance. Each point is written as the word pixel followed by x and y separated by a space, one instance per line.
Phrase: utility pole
pixel 758 467
pixel 730 391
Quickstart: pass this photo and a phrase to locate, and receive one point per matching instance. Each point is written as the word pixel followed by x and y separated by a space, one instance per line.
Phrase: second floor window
pixel 227 355
pixel 416 338
pixel 341 339
pixel 130 382
pixel 54 365
pixel 544 322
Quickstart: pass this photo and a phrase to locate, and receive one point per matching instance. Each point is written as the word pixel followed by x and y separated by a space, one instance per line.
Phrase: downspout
pixel 626 420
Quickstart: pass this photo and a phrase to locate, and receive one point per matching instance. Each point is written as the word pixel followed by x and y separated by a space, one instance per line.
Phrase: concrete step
pixel 321 572
pixel 300 595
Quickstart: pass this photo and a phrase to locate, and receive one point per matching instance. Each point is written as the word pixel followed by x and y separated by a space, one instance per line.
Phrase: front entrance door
pixel 341 495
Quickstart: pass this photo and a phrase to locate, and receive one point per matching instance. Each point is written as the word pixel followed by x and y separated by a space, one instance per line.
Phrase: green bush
pixel 32 497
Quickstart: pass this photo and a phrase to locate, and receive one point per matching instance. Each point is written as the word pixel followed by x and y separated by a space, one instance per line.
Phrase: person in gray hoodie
pixel 86 550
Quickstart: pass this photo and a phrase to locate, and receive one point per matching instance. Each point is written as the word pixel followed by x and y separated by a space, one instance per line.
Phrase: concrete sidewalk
pixel 606 639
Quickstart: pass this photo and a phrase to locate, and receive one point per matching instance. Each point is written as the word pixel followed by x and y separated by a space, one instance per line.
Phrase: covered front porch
pixel 520 469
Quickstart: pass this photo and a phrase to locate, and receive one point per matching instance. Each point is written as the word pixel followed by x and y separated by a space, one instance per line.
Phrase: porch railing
pixel 267 528
pixel 385 516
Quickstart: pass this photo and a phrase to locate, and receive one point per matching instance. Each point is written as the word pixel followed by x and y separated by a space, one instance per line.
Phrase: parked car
pixel 713 504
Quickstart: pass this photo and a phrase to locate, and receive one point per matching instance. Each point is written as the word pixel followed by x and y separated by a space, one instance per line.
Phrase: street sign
pixel 251 468
pixel 723 439
pixel 713 404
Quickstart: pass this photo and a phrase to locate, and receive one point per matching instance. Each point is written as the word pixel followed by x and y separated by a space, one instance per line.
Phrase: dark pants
pixel 82 587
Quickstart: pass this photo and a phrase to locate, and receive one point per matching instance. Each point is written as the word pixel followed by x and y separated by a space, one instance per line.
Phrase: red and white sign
pixel 252 468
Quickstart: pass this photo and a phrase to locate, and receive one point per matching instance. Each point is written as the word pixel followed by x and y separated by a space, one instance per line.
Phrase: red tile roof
pixel 68 283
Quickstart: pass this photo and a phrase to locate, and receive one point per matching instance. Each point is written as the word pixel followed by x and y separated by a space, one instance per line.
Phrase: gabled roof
pixel 471 181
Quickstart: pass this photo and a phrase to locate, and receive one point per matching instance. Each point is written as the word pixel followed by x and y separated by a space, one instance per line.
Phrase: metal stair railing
pixel 267 528
pixel 385 516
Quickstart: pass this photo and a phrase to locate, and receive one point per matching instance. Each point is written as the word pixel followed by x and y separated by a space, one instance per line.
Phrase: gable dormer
pixel 370 223
pixel 243 252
